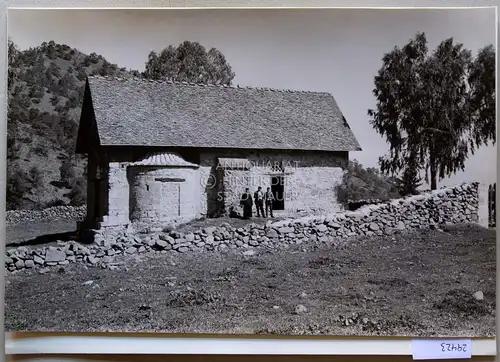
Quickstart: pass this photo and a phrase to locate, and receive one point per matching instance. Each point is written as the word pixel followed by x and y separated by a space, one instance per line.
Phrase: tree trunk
pixel 433 172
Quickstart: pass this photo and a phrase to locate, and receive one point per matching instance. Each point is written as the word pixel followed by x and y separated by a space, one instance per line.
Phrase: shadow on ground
pixel 38 233
pixel 46 239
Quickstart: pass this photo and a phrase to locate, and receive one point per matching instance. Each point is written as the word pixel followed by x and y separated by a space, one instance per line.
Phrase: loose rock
pixel 300 309
pixel 478 295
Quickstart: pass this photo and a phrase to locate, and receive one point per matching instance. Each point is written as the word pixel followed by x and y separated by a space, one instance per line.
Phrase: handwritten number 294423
pixel 452 347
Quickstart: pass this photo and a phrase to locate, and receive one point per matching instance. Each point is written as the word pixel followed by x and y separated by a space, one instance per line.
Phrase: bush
pixel 33 114
pixel 360 184
pixel 78 195
pixel 58 184
pixel 74 101
pixel 94 58
pixel 54 203
pixel 82 74
pixel 36 178
pixel 18 183
pixel 67 173
pixel 54 100
pixel 53 70
pixel 40 151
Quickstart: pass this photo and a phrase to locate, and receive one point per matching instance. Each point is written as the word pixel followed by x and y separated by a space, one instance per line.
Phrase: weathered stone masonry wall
pixel 446 206
pixel 71 213
pixel 146 189
pixel 309 182
pixel 118 195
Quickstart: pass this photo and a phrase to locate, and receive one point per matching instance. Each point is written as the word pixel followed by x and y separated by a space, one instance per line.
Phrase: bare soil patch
pixel 39 232
pixel 416 283
pixel 233 221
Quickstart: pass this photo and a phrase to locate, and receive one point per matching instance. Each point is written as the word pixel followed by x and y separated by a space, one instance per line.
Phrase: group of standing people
pixel 260 199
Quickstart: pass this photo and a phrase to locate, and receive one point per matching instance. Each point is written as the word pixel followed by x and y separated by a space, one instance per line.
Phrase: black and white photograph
pixel 321 172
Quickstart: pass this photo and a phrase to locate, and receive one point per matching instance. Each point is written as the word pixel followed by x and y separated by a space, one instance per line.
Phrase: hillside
pixel 45 97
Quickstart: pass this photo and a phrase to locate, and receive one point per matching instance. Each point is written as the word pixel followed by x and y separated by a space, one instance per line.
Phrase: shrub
pixel 18 184
pixel 54 100
pixel 58 184
pixel 359 184
pixel 67 173
pixel 78 195
pixel 33 114
pixel 82 74
pixel 54 203
pixel 35 177
pixel 74 100
pixel 40 151
pixel 53 70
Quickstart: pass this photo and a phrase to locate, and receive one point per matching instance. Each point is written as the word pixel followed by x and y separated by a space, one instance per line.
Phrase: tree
pixel 434 109
pixel 67 172
pixel 17 185
pixel 189 62
pixel 482 96
pixel 14 111
pixel 36 178
pixel 13 64
pixel 77 195
pixel 54 100
pixel 410 181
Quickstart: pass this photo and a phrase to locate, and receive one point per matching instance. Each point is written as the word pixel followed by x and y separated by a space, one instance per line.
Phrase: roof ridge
pixel 182 83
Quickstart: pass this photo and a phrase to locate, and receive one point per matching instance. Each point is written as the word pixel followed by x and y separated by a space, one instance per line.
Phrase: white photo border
pixel 132 343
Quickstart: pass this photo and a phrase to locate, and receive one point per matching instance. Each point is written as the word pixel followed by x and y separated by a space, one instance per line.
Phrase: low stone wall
pixel 354 205
pixel 453 205
pixel 52 213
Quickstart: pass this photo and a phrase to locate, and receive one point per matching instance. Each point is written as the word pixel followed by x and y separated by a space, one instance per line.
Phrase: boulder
pixel 53 255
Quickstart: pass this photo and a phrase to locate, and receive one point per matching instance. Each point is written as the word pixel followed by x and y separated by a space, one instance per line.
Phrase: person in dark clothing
pixel 246 202
pixel 259 202
pixel 269 199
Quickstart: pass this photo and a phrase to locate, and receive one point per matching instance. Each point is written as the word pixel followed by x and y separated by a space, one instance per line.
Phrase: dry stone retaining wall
pixel 446 206
pixel 52 213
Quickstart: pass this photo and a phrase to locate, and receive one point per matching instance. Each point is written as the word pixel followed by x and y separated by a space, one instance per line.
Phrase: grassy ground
pixel 417 283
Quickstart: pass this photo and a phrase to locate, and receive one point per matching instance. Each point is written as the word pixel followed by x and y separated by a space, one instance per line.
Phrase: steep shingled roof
pixel 163 159
pixel 139 112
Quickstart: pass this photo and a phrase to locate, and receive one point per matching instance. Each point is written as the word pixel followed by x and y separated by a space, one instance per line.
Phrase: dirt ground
pixel 418 283
pixel 39 233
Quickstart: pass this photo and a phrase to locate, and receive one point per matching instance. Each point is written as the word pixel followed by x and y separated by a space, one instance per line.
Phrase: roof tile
pixel 137 112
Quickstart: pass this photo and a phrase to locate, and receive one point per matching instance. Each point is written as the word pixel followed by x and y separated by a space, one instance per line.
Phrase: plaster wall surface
pixel 309 179
pixel 118 195
pixel 163 194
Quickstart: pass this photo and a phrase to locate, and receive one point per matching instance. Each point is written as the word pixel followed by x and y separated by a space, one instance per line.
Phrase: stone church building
pixel 161 151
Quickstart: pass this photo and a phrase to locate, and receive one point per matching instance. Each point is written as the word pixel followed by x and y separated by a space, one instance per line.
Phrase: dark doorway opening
pixel 278 190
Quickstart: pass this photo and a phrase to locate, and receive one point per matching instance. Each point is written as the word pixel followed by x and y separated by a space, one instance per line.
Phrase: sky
pixel 328 50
